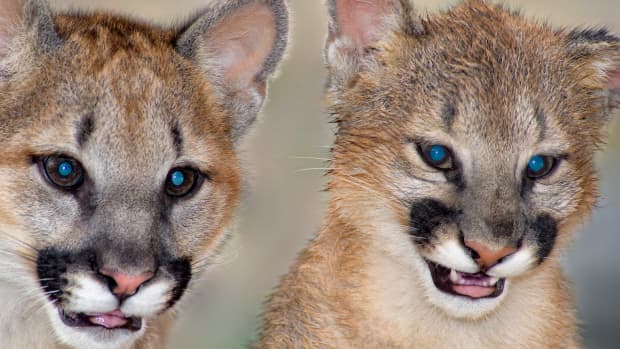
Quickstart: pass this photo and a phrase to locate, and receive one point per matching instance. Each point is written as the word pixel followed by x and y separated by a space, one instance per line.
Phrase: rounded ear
pixel 596 53
pixel 10 18
pixel 238 44
pixel 31 18
pixel 356 30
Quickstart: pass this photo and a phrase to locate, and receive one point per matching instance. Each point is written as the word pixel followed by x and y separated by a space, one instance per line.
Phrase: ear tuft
pixel 238 44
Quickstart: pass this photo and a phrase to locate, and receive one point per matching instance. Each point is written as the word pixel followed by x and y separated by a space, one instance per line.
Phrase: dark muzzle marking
pixel 426 215
pixel 546 231
pixel 181 270
pixel 53 264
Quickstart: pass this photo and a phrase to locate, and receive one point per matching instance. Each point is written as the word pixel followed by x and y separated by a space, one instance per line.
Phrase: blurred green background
pixel 283 205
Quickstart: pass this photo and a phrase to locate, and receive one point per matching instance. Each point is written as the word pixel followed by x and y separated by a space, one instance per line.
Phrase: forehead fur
pixel 135 64
pixel 480 65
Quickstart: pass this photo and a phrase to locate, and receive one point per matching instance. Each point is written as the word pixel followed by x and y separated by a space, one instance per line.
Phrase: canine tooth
pixel 493 281
pixel 454 277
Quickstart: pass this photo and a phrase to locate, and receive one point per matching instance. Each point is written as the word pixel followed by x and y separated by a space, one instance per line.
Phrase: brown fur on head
pixel 404 234
pixel 148 120
pixel 495 90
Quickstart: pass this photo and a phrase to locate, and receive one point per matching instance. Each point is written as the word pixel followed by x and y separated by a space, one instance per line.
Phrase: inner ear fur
pixel 357 31
pixel 238 44
pixel 361 22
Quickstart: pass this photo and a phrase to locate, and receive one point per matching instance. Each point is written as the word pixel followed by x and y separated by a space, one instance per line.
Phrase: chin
pixel 77 331
pixel 461 295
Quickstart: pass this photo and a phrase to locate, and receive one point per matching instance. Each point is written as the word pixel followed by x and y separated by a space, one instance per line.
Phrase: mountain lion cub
pixel 462 166
pixel 118 167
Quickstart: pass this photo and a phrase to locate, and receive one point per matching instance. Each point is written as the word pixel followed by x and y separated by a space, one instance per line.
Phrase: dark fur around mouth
pixel 427 215
pixel 53 265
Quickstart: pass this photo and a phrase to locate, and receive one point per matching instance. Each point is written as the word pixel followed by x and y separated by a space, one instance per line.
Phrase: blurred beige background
pixel 283 206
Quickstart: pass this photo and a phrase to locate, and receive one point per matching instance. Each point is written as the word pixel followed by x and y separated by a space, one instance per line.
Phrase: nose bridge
pixel 124 234
pixel 491 202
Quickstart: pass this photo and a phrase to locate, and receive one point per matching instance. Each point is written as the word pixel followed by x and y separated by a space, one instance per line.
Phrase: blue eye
pixel 65 169
pixel 177 178
pixel 536 163
pixel 539 166
pixel 437 156
pixel 182 181
pixel 438 153
pixel 63 172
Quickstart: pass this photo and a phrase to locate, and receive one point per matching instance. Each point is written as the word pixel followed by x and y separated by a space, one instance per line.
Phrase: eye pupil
pixel 537 164
pixel 65 169
pixel 177 178
pixel 437 153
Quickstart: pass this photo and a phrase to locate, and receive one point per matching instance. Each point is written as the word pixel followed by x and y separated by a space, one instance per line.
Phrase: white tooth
pixel 454 277
pixel 493 281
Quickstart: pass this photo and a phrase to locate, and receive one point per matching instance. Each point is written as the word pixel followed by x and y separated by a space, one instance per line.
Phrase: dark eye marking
pixel 177 137
pixel 85 129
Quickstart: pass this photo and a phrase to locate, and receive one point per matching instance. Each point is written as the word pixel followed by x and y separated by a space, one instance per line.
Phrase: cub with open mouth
pixel 119 174
pixel 462 166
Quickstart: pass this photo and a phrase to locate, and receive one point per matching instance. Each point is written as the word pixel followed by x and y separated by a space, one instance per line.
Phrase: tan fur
pixel 130 102
pixel 363 282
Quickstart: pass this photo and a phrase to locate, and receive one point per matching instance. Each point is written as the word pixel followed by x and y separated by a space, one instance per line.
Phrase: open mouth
pixel 112 321
pixel 474 286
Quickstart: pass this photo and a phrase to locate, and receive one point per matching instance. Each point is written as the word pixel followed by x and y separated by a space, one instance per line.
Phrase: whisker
pixel 15 239
pixel 309 158
pixel 315 169
pixel 360 184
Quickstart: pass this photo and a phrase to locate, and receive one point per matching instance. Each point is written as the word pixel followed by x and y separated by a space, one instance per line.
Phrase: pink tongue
pixel 473 291
pixel 114 319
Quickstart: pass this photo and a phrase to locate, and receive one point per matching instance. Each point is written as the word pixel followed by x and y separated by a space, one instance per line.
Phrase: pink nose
pixel 126 285
pixel 487 257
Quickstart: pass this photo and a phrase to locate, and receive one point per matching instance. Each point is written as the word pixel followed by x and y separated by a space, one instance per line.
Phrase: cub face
pixel 119 173
pixel 466 141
